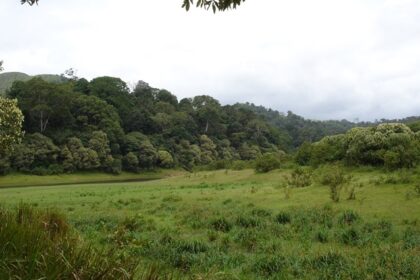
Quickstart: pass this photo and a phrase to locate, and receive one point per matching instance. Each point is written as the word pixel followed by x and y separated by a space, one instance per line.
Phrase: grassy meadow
pixel 242 225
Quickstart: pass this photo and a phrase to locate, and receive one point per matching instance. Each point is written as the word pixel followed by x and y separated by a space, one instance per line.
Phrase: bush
pixel 335 178
pixel 241 164
pixel 299 178
pixel 266 163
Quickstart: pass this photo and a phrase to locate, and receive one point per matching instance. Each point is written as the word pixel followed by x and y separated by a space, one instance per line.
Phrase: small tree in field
pixel 335 179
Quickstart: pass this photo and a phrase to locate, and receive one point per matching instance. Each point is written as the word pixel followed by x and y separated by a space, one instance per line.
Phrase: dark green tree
pixel 214 5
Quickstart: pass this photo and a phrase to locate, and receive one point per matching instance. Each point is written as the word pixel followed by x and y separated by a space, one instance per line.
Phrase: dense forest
pixel 76 124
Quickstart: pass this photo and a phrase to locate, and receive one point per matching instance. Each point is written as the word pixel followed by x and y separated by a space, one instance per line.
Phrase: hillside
pixel 7 79
pixel 302 130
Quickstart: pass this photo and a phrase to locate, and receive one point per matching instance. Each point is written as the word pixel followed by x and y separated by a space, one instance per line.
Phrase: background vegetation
pixel 72 125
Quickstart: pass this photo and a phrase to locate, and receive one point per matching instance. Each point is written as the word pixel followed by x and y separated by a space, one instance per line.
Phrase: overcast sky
pixel 323 59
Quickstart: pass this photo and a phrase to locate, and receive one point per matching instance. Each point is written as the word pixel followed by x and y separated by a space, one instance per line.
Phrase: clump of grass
pixel 348 217
pixel 221 224
pixel 193 247
pixel 227 201
pixel 382 229
pixel 247 238
pixel 332 263
pixel 248 222
pixel 283 218
pixel 351 236
pixel 172 198
pixel 261 212
pixel 322 235
pixel 352 194
pixel 38 244
pixel 411 238
pixel 270 265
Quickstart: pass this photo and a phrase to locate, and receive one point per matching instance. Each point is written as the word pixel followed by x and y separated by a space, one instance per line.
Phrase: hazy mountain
pixel 7 79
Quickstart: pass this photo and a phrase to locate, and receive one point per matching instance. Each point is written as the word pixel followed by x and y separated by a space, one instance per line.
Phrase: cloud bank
pixel 324 59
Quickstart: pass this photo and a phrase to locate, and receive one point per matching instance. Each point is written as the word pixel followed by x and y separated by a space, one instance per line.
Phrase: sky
pixel 323 59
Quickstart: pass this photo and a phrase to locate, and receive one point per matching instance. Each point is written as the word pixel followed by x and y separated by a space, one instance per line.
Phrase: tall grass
pixel 40 245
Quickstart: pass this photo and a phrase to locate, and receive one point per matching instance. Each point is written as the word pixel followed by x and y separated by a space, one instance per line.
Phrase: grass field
pixel 23 180
pixel 241 225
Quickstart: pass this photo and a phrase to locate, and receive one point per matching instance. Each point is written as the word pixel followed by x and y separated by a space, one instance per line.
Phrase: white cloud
pixel 322 59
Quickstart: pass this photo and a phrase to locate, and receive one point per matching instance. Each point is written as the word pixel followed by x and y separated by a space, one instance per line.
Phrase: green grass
pixel 238 224
pixel 23 180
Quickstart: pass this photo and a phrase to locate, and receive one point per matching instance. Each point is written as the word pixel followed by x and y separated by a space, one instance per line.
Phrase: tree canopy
pixel 214 5
pixel 11 119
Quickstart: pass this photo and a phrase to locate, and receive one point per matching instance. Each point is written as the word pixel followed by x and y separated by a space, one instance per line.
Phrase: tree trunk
pixel 207 127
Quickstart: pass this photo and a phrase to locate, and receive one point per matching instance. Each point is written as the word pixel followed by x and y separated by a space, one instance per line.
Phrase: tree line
pixel 103 125
pixel 392 145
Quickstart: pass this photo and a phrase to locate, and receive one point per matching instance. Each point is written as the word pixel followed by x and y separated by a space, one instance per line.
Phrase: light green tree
pixel 11 120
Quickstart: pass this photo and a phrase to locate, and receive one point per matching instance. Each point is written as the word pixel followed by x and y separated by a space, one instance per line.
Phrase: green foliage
pixel 214 5
pixel 335 179
pixel 131 162
pixel 165 159
pixel 148 128
pixel 392 145
pixel 304 153
pixel 11 119
pixel 266 163
pixel 140 145
pixel 299 178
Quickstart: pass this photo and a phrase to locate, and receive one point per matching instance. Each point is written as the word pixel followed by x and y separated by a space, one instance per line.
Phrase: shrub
pixel 335 178
pixel 266 163
pixel 299 178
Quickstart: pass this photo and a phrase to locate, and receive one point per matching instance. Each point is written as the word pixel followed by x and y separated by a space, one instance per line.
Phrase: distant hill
pixel 7 79
pixel 302 130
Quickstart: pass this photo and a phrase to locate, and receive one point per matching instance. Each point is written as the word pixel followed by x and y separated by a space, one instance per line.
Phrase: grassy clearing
pixel 24 180
pixel 238 224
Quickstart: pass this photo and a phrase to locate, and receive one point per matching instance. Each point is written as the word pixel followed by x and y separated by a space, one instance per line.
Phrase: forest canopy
pixel 73 124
